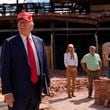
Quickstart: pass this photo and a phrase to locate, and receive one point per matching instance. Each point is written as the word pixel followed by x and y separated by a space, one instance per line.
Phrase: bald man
pixel 91 63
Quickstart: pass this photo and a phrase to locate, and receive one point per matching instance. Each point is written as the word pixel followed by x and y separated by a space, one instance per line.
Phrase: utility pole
pixel 52 47
pixel 96 38
pixel 17 1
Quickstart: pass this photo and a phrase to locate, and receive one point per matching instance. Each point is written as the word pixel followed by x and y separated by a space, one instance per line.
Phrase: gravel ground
pixel 80 102
pixel 60 101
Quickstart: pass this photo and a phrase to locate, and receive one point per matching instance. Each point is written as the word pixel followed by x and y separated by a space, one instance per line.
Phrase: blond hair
pixel 73 53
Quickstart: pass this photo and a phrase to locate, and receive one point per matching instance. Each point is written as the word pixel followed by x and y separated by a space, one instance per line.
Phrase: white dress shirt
pixel 34 49
pixel 69 60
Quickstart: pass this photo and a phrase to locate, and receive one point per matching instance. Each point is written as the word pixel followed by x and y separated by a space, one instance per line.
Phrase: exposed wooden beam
pixel 85 19
pixel 100 7
pixel 59 29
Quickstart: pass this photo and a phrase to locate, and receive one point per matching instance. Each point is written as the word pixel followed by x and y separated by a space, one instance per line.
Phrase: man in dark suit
pixel 23 67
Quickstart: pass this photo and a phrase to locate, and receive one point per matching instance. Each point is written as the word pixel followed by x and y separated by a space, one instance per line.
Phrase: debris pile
pixel 60 85
pixel 102 92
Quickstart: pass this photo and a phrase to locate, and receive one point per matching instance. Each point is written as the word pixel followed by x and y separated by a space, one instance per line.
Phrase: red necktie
pixel 31 58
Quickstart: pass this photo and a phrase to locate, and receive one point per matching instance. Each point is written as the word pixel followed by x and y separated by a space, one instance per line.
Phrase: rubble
pixel 60 85
pixel 102 92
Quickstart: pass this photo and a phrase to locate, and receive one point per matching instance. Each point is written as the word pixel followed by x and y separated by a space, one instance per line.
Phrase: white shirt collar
pixel 24 37
pixel 68 53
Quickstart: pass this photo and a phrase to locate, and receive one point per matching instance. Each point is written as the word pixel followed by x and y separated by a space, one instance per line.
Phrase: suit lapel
pixel 23 50
pixel 37 46
pixel 22 47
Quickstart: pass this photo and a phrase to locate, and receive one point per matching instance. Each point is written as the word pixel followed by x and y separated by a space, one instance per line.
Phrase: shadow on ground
pixel 80 101
pixel 99 107
pixel 91 106
pixel 58 100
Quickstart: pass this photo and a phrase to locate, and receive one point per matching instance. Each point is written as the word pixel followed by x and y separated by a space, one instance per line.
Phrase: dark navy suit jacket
pixel 15 70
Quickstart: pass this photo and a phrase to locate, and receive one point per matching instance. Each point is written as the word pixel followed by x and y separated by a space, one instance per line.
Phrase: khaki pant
pixel 92 75
pixel 71 78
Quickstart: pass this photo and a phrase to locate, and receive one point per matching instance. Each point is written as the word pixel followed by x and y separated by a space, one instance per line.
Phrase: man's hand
pixel 9 99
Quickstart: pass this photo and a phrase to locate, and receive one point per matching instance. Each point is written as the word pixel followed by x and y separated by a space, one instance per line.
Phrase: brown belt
pixel 93 71
pixel 72 66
